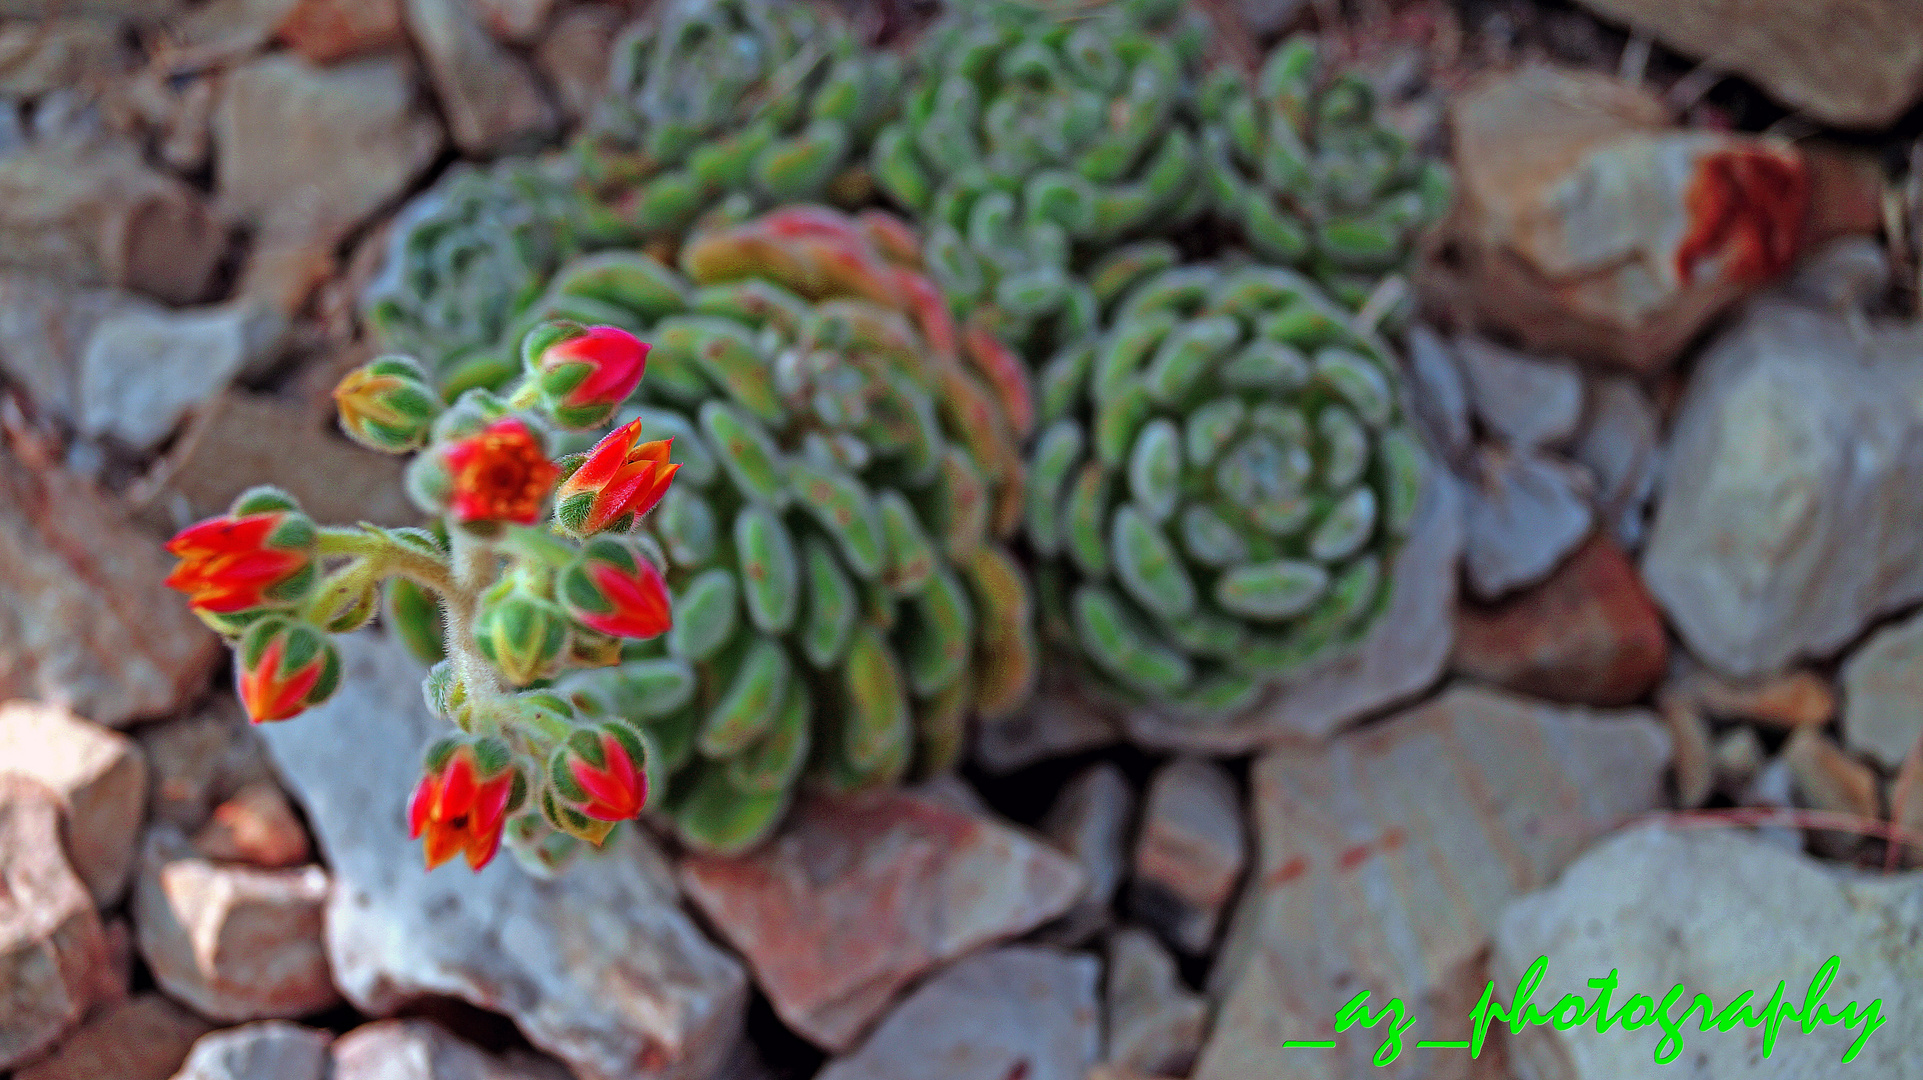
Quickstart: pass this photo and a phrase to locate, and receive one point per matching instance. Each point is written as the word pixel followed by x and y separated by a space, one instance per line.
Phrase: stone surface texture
pixel 53 955
pixel 1190 852
pixel 100 776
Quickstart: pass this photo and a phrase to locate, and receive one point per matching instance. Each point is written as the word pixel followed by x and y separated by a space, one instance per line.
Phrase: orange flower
pixel 461 805
pixel 232 564
pixel 284 667
pixel 613 589
pixel 599 774
pixel 618 479
pixel 498 474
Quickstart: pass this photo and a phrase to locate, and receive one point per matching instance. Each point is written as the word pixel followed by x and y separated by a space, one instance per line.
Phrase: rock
pixel 1590 634
pixel 313 151
pixel 1062 718
pixel 268 1050
pixel 1618 446
pixel 1089 822
pixel 90 212
pixel 1019 1011
pixel 1827 778
pixel 200 761
pixel 1441 396
pixel 1624 908
pixel 258 439
pixel 487 93
pixel 1155 1025
pixel 1774 787
pixel 1792 505
pixel 1857 65
pixel 1693 757
pixel 1882 683
pixel 573 57
pixel 855 898
pixel 1265 18
pixel 1525 401
pixel 256 827
pixel 38 57
pixel 1586 226
pixel 1385 857
pixel 1399 658
pixel 599 966
pixel 235 942
pixel 515 21
pixel 44 325
pixel 145 366
pixel 218 33
pixel 89 624
pixel 1906 803
pixel 132 10
pixel 325 31
pixel 1525 512
pixel 1788 699
pixel 1190 853
pixel 53 957
pixel 145 1037
pixel 419 1050
pixel 1739 756
pixel 100 777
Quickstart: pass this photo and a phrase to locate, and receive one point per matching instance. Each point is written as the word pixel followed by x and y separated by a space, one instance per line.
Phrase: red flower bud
pixel 284 667
pixel 583 373
pixel 601 773
pixel 613 589
pixel 500 473
pixel 260 555
pixel 463 800
pixel 616 480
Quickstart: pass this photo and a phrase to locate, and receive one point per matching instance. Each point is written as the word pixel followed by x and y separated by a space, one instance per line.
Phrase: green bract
pixel 842 601
pixel 1221 482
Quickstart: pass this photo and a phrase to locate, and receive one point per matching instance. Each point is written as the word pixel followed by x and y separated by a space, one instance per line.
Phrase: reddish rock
pixel 1906 802
pixel 855 898
pixel 100 776
pixel 419 1050
pixel 88 622
pixel 1190 854
pixel 144 1038
pixel 53 956
pixel 1788 699
pixel 199 761
pixel 1590 634
pixel 574 55
pixel 258 827
pixel 324 31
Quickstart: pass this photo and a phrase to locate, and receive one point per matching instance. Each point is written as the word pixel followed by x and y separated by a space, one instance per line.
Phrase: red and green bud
pixel 614 589
pixel 583 372
pixel 613 484
pixel 260 555
pixel 284 667
pixel 521 633
pixel 601 773
pixel 388 404
pixel 468 788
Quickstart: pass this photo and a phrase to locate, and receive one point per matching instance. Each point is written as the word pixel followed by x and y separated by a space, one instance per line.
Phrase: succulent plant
pixel 1301 162
pixel 1221 483
pixel 1037 134
pixel 843 601
pixel 707 98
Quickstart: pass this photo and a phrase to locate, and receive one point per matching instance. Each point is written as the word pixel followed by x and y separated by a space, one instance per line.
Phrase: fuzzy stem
pixel 525 396
pixel 385 556
pixel 474 565
pixel 355 577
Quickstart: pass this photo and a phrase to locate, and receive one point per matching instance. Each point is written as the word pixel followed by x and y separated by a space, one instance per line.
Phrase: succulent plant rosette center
pixel 1221 483
pixel 843 600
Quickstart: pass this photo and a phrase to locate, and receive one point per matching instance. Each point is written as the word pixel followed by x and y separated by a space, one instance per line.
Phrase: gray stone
pixel 1526 511
pixel 573 57
pixel 1062 718
pixel 53 955
pixel 42 56
pixel 1385 858
pixel 420 1050
pixel 1744 918
pixel 1526 401
pixel 144 1037
pixel 487 93
pixel 100 776
pixel 43 328
pixel 1882 689
pixel 1440 394
pixel 1190 852
pixel 1792 505
pixel 599 966
pixel 197 762
pixel 268 1050
pixel 1089 821
pixel 1019 1011
pixel 145 367
pixel 516 21
pixel 1155 1024
pixel 1619 445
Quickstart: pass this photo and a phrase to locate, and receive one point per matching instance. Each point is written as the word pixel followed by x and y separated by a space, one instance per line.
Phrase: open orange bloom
pixel 458 809
pixel 228 564
pixel 500 473
pixel 618 479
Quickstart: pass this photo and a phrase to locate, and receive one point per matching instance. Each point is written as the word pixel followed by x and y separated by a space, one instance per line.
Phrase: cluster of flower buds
pixel 527 568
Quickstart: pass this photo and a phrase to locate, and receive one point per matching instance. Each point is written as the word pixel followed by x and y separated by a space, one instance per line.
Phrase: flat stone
pixel 1906 803
pixel 573 56
pixel 1882 683
pixel 1623 907
pixel 53 957
pixel 145 367
pixel 1620 446
pixel 1441 393
pixel 598 966
pixel 855 898
pixel 1693 757
pixel 1588 227
pixel 1849 64
pixel 38 57
pixel 1062 718
pixel 1189 854
pixel 1089 822
pixel 1828 779
pixel 487 93
pixel 101 778
pixel 326 31
pixel 1792 505
pixel 515 21
pixel 235 942
pixel 1155 1024
pixel 44 325
pixel 1525 513
pixel 1739 756
pixel 1526 401
pixel 1590 634
pixel 268 1050
pixel 200 761
pixel 89 624
pixel 257 827
pixel 1399 658
pixel 145 1037
pixel 221 32
pixel 1783 699
pixel 420 1050
pixel 89 212
pixel 1019 1011
pixel 1385 858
